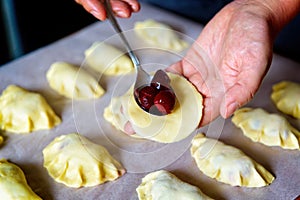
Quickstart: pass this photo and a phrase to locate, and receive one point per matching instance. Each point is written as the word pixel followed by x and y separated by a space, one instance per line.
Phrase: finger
pixel 121 8
pixel 234 98
pixel 238 95
pixel 134 5
pixel 128 129
pixel 95 7
pixel 176 68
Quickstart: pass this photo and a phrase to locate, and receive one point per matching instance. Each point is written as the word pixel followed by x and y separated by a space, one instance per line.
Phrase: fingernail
pixel 121 13
pixel 96 14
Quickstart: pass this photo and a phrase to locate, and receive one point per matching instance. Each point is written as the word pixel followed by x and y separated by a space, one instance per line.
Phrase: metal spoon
pixel 142 77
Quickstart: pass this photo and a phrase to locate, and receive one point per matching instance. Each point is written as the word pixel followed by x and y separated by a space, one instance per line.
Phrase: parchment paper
pixel 138 156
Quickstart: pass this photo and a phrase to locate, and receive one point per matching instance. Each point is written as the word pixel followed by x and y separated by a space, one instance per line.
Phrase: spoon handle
pixel 118 29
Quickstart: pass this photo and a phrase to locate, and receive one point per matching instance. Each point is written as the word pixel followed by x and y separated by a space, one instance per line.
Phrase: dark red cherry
pixel 165 101
pixel 146 97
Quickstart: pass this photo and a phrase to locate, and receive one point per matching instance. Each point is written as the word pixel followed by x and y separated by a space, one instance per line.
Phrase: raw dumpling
pixel 75 161
pixel 107 59
pixel 73 82
pixel 163 185
pixel 228 164
pixel 13 184
pixel 286 96
pixel 269 129
pixel 177 125
pixel 22 111
pixel 159 35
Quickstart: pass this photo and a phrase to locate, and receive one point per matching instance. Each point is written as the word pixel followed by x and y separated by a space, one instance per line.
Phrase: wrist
pixel 278 13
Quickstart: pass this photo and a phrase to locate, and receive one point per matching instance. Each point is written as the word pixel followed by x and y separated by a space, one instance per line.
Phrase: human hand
pixel 122 8
pixel 238 40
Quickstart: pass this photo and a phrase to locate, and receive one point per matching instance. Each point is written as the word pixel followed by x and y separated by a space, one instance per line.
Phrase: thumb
pixel 175 68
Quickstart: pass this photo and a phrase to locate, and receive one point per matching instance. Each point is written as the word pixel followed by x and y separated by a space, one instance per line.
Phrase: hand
pixel 238 40
pixel 122 8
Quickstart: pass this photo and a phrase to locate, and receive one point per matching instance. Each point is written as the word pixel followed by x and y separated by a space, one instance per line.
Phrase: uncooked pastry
pixel 159 35
pixel 286 96
pixel 163 185
pixel 13 184
pixel 177 125
pixel 228 164
pixel 269 129
pixel 75 161
pixel 73 82
pixel 22 111
pixel 107 59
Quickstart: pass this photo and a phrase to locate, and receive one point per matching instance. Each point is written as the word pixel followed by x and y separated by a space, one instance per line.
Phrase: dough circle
pixel 177 125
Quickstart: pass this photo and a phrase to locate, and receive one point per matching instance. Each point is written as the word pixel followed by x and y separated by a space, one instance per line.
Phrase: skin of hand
pixel 122 8
pixel 231 56
pixel 238 41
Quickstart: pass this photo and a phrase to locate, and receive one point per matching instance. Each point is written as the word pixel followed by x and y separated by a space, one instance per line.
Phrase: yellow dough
pixel 159 35
pixel 22 111
pixel 286 96
pixel 73 82
pixel 107 59
pixel 228 164
pixel 163 185
pixel 269 129
pixel 177 125
pixel 75 161
pixel 13 184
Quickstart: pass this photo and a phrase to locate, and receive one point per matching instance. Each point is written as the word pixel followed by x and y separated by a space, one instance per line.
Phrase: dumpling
pixel 159 35
pixel 163 185
pixel 107 59
pixel 73 82
pixel 13 184
pixel 75 161
pixel 177 125
pixel 228 164
pixel 286 96
pixel 269 129
pixel 22 111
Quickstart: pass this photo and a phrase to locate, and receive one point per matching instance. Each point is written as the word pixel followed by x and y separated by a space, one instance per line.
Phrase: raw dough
pixel 159 35
pixel 22 111
pixel 73 82
pixel 163 185
pixel 269 129
pixel 286 96
pixel 75 161
pixel 13 184
pixel 107 59
pixel 182 121
pixel 228 164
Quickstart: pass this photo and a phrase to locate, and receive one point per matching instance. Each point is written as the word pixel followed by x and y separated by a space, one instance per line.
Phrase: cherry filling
pixel 157 98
